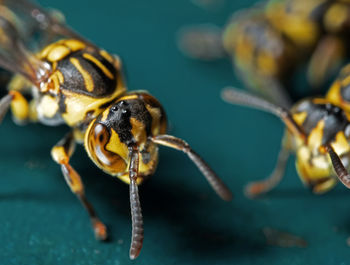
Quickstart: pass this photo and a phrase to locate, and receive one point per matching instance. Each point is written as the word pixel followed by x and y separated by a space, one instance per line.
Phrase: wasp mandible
pixel 71 81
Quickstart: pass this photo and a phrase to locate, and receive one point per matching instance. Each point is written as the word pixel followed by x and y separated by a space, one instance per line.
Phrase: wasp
pixel 269 42
pixel 318 132
pixel 61 78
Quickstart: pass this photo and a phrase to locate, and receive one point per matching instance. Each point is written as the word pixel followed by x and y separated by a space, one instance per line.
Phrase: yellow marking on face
pixel 103 68
pixel 107 56
pixel 48 106
pixel 138 131
pixel 105 115
pixel 57 53
pixel 97 136
pixel 116 146
pixel 155 113
pixel 126 179
pixel 340 145
pixel 315 136
pixel 315 169
pixel 300 117
pixel 321 162
pixel 89 83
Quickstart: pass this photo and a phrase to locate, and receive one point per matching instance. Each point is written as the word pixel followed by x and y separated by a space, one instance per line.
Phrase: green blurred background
pixel 185 222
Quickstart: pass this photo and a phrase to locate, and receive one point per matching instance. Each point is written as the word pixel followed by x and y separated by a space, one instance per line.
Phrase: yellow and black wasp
pixel 69 80
pixel 270 41
pixel 318 132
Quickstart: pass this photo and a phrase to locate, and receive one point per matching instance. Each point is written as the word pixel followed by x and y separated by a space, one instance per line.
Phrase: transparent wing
pixel 14 56
pixel 26 28
pixel 38 26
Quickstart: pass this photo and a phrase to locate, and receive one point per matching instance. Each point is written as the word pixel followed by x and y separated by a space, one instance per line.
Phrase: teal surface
pixel 41 222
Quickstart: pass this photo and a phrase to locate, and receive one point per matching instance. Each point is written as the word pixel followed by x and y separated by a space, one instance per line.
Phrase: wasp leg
pixel 136 214
pixel 61 154
pixel 217 184
pixel 327 57
pixel 19 106
pixel 256 188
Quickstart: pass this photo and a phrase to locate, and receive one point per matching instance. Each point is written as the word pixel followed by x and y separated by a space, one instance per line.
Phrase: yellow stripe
pixel 60 76
pixel 107 56
pixel 98 64
pixel 89 83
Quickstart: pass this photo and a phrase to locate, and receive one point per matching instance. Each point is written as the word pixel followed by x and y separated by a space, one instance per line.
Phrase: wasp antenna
pixel 5 103
pixel 338 166
pixel 234 96
pixel 136 214
pixel 217 184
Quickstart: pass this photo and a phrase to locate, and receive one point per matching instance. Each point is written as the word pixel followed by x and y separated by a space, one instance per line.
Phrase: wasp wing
pixel 25 29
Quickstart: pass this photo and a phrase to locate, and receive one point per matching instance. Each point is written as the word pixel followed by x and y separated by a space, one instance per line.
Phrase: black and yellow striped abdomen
pixel 130 120
pixel 323 123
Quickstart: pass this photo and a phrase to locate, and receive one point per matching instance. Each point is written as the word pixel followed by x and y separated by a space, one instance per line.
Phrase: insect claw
pixel 100 230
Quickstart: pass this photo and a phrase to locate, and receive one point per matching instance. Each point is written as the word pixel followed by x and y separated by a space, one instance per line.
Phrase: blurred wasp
pixel 318 132
pixel 269 42
pixel 71 81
